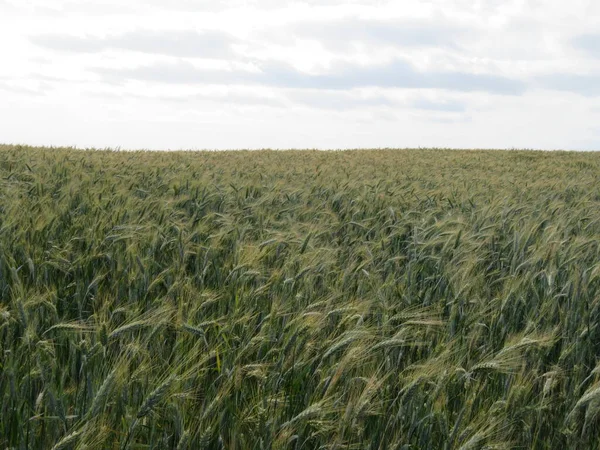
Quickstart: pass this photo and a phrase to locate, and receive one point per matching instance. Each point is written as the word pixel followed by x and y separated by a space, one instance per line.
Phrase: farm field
pixel 381 299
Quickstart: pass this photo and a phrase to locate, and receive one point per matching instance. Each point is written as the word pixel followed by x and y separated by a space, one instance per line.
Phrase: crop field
pixel 383 299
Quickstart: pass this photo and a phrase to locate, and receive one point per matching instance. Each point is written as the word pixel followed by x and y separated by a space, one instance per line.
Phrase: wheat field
pixel 381 299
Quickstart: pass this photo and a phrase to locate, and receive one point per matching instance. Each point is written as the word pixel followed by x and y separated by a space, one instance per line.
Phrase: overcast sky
pixel 301 74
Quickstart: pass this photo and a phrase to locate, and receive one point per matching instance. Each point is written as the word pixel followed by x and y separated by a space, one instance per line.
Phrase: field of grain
pixel 385 299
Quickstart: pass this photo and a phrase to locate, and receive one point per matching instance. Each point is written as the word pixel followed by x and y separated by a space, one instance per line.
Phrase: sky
pixel 326 74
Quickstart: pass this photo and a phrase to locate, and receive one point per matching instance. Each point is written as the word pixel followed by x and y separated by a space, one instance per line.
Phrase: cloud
pixel 589 43
pixel 398 33
pixel 85 8
pixel 6 7
pixel 443 106
pixel 13 89
pixel 222 98
pixel 206 44
pixel 338 101
pixel 455 119
pixel 587 85
pixel 351 100
pixel 397 74
pixel 195 5
pixel 211 5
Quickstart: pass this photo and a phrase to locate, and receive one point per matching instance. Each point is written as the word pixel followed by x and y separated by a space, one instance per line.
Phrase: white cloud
pixel 266 73
pixel 185 43
pixel 397 74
